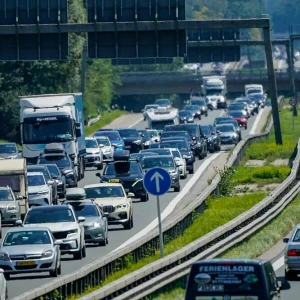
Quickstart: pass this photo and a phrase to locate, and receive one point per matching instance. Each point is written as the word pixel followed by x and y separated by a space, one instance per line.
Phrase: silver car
pixel 9 206
pixel 9 151
pixel 30 250
pixel 228 133
pixel 292 254
pixel 3 286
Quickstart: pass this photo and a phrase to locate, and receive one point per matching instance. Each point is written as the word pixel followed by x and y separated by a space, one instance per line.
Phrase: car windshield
pixel 104 192
pixel 41 169
pixel 225 128
pixel 60 161
pixel 7 148
pixel 112 135
pixel 53 170
pixel 91 144
pixel 206 130
pixel 110 169
pixel 5 195
pixel 53 215
pixel 198 102
pixel 86 211
pixel 102 141
pixel 219 120
pixel 236 114
pixel 191 107
pixel 185 113
pixel 253 91
pixel 35 180
pixel 150 107
pixel 256 96
pixel 176 153
pixel 163 162
pixel 128 133
pixel 159 151
pixel 175 144
pixel 26 237
pixel 162 102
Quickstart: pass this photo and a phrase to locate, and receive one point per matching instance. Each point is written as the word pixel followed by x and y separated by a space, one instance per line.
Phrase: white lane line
pixel 278 263
pixel 169 209
pixel 135 123
pixel 255 124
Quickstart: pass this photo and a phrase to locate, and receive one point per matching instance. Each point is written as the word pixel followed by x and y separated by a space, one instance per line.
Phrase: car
pixel 201 102
pixel 209 138
pixel 95 224
pixel 114 137
pixel 194 109
pixel 94 155
pixel 106 148
pixel 239 117
pixel 154 135
pixel 252 105
pixel 153 146
pixel 158 151
pixel 146 138
pixel 241 107
pixel 30 250
pixel 166 162
pixel 51 183
pixel 60 179
pixel 65 165
pixel 139 156
pixel 176 134
pixel 222 119
pixel 163 103
pixel 132 139
pixel 228 134
pixel 185 116
pixel 147 108
pixel 232 279
pixel 128 173
pixel 236 126
pixel 216 137
pixel 259 99
pixel 3 286
pixel 10 210
pixel 115 204
pixel 39 193
pixel 180 161
pixel 9 151
pixel 63 224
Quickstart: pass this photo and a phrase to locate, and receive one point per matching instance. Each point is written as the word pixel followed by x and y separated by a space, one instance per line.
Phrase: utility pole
pixel 83 67
pixel 272 84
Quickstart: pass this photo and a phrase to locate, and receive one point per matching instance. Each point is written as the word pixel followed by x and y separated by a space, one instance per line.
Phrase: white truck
pixel 214 88
pixel 161 117
pixel 253 89
pixel 55 118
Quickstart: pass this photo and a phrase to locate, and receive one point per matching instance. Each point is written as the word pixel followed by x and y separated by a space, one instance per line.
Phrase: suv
pixel 132 139
pixel 64 225
pixel 94 155
pixel 232 279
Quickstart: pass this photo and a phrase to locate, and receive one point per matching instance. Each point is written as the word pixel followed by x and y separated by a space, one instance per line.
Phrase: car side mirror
pixel 58 242
pixel 131 195
pixel 178 164
pixel 218 131
pixel 81 219
pixel 50 182
pixel 78 132
pixel 98 175
pixel 285 240
pixel 18 223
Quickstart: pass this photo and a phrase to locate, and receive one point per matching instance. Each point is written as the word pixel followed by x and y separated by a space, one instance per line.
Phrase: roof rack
pixel 75 194
pixel 54 148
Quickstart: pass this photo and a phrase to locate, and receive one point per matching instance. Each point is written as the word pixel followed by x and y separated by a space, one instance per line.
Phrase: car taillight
pixel 293 253
pixel 244 120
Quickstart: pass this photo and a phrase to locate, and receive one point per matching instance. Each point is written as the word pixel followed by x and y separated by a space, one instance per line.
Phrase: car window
pixel 7 148
pixel 19 238
pixel 35 180
pixel 53 170
pixel 91 144
pixel 56 215
pixel 104 192
pixel 5 195
pixel 296 237
pixel 110 169
pixel 41 170
pixel 225 128
pixel 60 161
pixel 86 211
pixel 163 162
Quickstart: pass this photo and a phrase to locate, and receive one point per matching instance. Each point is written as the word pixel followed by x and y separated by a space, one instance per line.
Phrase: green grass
pixel 106 118
pixel 261 175
pixel 218 212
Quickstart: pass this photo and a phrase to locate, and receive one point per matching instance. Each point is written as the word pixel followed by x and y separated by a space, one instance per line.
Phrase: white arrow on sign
pixel 157 176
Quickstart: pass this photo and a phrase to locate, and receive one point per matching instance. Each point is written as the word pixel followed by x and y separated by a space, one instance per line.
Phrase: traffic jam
pixel 47 215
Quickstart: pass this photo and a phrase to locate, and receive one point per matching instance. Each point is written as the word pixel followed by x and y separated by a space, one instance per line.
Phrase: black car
pixel 59 178
pixel 216 137
pixel 202 104
pixel 195 110
pixel 140 156
pixel 199 145
pixel 236 125
pixel 132 139
pixel 128 173
pixel 209 138
pixel 221 119
pixel 146 138
pixel 43 169
pixel 185 116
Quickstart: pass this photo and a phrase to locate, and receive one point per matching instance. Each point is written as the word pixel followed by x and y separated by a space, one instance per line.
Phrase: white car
pixel 149 107
pixel 115 204
pixel 106 148
pixel 3 286
pixel 39 192
pixel 94 155
pixel 181 162
pixel 64 225
pixel 154 136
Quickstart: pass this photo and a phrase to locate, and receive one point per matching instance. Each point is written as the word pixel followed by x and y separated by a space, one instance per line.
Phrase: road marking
pixel 135 123
pixel 169 209
pixel 255 124
pixel 278 263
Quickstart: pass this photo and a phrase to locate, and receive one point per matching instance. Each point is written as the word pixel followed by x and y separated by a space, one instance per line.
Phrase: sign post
pixel 293 104
pixel 157 182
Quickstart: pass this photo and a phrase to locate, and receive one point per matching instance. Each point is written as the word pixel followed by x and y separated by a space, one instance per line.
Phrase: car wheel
pixel 289 275
pixel 191 171
pixel 59 269
pixel 177 188
pixel 145 198
pixel 206 114
pixel 199 117
pixel 78 255
pixel 100 167
pixel 54 273
pixel 185 175
pixel 84 251
pixel 246 127
pixel 7 276
pixel 212 150
pixel 129 224
pixel 6 294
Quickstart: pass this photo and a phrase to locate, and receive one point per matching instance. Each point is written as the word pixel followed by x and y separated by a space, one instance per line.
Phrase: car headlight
pixel 147 143
pixel 198 112
pixel 137 142
pixel 187 156
pixel 203 107
pixel 124 205
pixel 43 192
pixel 47 253
pixel 234 135
pixel 69 174
pixel 95 225
pixel 11 207
pixel 4 256
pixel 73 231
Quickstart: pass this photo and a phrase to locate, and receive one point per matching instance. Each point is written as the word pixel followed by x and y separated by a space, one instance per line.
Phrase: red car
pixel 239 117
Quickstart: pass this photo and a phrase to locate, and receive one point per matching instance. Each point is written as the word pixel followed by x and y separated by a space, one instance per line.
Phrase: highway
pixel 144 214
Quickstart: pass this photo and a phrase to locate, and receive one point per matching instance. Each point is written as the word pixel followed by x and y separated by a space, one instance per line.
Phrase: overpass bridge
pixel 181 82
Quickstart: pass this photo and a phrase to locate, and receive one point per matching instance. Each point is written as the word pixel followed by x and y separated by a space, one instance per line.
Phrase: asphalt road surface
pixel 144 214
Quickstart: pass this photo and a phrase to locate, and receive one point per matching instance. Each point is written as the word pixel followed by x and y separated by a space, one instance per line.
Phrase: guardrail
pixel 96 272
pixel 92 121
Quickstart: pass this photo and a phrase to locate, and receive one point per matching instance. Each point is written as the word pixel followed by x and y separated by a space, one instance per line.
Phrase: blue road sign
pixel 157 181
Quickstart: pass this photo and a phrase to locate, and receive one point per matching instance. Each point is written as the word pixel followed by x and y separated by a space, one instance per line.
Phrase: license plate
pixel 26 263
pixel 114 180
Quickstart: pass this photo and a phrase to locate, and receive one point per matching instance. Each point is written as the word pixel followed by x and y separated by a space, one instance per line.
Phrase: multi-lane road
pixel 144 214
